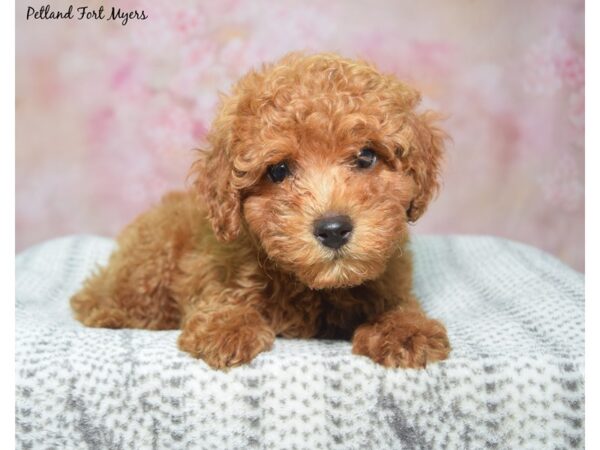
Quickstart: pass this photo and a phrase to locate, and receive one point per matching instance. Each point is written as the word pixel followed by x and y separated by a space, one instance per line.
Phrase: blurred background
pixel 107 114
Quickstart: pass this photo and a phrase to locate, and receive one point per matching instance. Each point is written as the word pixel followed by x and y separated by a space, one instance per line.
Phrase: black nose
pixel 333 232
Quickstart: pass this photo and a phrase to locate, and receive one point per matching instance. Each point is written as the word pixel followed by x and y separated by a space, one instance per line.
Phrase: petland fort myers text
pixel 85 13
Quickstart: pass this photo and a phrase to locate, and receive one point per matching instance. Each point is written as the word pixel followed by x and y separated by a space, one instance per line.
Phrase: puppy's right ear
pixel 213 178
pixel 422 158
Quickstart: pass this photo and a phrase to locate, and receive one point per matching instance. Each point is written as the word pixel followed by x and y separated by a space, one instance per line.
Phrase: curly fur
pixel 233 262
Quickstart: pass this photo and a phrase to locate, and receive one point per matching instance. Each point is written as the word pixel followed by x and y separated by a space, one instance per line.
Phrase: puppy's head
pixel 322 161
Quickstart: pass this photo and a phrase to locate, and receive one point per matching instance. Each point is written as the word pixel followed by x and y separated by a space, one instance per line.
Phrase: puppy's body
pixel 239 260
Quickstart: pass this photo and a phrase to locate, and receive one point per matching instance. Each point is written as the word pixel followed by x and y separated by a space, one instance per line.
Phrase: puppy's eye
pixel 278 172
pixel 366 158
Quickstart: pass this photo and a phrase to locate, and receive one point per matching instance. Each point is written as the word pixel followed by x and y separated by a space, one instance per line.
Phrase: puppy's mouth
pixel 339 271
pixel 337 255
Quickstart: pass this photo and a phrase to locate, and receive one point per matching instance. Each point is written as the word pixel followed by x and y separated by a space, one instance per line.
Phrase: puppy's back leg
pixel 134 289
pixel 127 294
pixel 95 304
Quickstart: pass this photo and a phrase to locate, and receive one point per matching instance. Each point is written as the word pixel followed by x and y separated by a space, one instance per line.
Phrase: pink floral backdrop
pixel 107 114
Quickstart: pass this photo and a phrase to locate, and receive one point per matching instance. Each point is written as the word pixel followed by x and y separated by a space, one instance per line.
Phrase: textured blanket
pixel 515 318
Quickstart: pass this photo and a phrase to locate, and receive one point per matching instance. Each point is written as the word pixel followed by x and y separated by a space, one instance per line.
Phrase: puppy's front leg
pixel 402 337
pixel 225 336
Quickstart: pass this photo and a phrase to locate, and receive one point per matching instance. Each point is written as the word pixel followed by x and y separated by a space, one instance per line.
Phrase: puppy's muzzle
pixel 333 232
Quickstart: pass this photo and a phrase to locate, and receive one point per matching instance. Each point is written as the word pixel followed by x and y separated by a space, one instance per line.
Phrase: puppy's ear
pixel 213 175
pixel 421 154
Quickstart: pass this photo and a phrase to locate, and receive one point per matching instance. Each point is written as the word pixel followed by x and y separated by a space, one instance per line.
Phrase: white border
pixel 592 222
pixel 7 223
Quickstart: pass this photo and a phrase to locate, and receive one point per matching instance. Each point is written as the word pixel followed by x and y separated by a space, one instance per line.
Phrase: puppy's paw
pixel 402 339
pixel 226 338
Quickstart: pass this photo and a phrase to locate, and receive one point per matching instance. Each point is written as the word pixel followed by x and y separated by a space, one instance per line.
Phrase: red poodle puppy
pixel 296 226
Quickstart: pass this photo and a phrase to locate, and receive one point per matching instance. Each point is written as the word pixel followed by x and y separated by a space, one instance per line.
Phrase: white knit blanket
pixel 514 380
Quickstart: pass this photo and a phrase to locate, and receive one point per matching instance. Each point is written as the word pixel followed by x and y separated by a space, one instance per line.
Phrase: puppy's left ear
pixel 214 175
pixel 421 155
pixel 214 185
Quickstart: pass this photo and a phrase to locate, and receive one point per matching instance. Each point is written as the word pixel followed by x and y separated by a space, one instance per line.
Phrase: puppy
pixel 296 225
